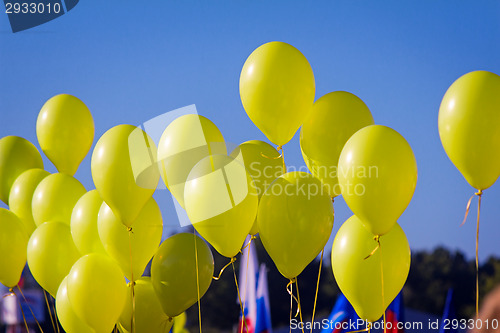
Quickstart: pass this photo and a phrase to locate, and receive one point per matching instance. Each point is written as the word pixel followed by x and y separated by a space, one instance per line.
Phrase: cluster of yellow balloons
pixel 81 245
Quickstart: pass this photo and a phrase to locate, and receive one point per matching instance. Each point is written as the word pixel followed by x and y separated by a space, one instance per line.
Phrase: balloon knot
pixel 129 229
pixel 170 319
pixel 479 193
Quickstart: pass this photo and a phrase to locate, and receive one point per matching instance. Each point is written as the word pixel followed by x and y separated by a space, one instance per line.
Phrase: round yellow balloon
pixel 21 195
pixel 51 254
pixel 16 156
pixel 13 242
pixel 263 163
pixel 377 174
pixel 185 142
pixel 55 197
pixel 125 171
pixel 149 316
pixel 65 313
pixel 131 250
pixel 174 272
pixel 469 127
pixel 277 90
pixel 84 223
pixel 65 131
pixel 335 117
pixel 221 202
pixel 360 279
pixel 295 221
pixel 97 291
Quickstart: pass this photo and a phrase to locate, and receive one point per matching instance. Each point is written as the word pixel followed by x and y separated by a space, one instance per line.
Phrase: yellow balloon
pixel 97 291
pixel 377 174
pixel 65 131
pixel 179 323
pixel 21 195
pixel 54 198
pixel 51 254
pixel 174 272
pixel 149 315
pixel 360 279
pixel 221 202
pixel 335 117
pixel 13 242
pixel 141 244
pixel 65 313
pixel 295 221
pixel 16 156
pixel 185 142
pixel 84 223
pixel 263 163
pixel 125 171
pixel 277 90
pixel 469 127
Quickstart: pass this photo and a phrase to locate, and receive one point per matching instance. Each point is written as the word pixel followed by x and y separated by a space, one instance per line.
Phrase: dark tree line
pixel 431 274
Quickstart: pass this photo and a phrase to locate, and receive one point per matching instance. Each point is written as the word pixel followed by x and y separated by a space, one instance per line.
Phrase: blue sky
pixel 132 61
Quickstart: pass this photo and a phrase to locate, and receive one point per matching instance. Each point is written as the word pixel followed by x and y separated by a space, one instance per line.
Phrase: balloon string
pixel 29 307
pixel 252 237
pixel 291 301
pixel 281 155
pixel 55 317
pixel 479 193
pixel 477 252
pixel 376 239
pixel 50 312
pixel 132 283
pixel 289 289
pixel 299 306
pixel 246 279
pixel 197 277
pixel 239 296
pixel 382 282
pixel 13 293
pixel 317 289
pixel 217 278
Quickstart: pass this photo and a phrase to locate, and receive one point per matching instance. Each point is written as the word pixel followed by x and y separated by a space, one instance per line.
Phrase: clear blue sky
pixel 130 61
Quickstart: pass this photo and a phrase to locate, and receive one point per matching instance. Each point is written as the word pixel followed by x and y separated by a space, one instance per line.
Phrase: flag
pixel 448 314
pixel 342 314
pixel 263 320
pixel 248 287
pixel 395 314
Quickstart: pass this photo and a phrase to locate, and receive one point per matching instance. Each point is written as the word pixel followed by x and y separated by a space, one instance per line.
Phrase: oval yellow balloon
pixel 55 197
pixel 65 131
pixel 335 117
pixel 277 90
pixel 173 272
pixel 221 202
pixel 13 242
pixel 84 223
pixel 51 254
pixel 97 291
pixel 377 174
pixel 21 195
pixel 65 313
pixel 263 163
pixel 141 244
pixel 360 279
pixel 149 315
pixel 469 127
pixel 16 156
pixel 185 142
pixel 295 221
pixel 125 171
